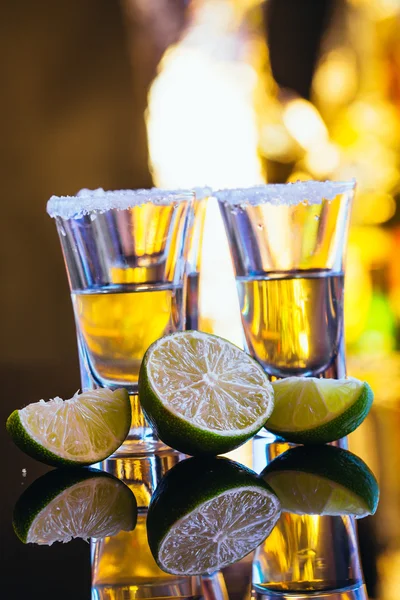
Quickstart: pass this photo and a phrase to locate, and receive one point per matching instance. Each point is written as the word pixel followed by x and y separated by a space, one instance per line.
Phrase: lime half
pixel 207 514
pixel 67 504
pixel 323 481
pixel 81 431
pixel 315 411
pixel 202 394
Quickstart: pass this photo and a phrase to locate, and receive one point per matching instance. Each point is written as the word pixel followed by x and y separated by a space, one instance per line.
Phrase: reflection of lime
pixel 315 411
pixel 207 514
pixel 81 431
pixel 203 394
pixel 323 481
pixel 76 503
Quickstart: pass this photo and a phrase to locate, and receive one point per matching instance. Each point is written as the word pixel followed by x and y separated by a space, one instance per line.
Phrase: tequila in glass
pixel 126 256
pixel 118 323
pixel 288 243
pixel 293 321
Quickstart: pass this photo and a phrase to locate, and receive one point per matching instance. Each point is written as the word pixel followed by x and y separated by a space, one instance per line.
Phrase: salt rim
pixel 289 194
pixel 99 201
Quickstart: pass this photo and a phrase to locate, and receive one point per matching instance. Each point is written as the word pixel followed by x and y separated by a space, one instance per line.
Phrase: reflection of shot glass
pixel 308 555
pixel 288 243
pixel 125 254
pixel 123 567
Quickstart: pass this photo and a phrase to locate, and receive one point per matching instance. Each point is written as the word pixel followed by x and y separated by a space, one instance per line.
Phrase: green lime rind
pixel 189 484
pixel 178 433
pixel 45 489
pixel 29 446
pixel 336 429
pixel 334 464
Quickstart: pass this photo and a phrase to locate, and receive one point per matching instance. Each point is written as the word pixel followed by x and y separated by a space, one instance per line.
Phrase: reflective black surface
pixel 64 570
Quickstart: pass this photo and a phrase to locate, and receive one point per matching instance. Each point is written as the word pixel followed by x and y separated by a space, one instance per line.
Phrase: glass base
pixel 140 446
pixel 141 474
pixel 357 592
pixel 141 439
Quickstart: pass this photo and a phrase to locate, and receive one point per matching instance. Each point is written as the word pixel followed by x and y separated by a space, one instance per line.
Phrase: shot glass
pixel 126 258
pixel 288 245
pixel 122 565
pixel 308 555
pixel 195 258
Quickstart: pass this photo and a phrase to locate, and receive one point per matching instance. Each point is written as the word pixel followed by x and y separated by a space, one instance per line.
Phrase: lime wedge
pixel 81 431
pixel 316 411
pixel 66 504
pixel 207 514
pixel 323 481
pixel 202 394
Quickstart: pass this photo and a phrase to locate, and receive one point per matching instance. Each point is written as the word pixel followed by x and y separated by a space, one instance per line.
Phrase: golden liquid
pixel 293 323
pixel 126 559
pixel 308 553
pixel 119 323
pixel 123 568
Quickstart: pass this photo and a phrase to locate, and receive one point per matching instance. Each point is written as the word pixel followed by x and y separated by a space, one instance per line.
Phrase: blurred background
pixel 226 93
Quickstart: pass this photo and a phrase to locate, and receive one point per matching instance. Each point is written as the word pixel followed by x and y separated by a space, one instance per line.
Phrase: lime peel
pixel 47 511
pixel 316 411
pixel 202 394
pixel 223 501
pixel 77 432
pixel 324 481
pixel 221 550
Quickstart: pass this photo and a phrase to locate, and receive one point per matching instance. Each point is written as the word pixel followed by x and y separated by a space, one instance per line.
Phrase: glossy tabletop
pixel 65 570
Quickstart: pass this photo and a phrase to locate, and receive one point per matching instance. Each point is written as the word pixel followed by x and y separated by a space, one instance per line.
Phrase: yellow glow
pixel 358 294
pixel 202 130
pixel 375 245
pixel 276 143
pixel 303 341
pixel 298 176
pixel 380 9
pixel 335 80
pixel 243 455
pixel 201 123
pixel 389 574
pixel 304 123
pixel 219 304
pixel 373 208
pixel 322 159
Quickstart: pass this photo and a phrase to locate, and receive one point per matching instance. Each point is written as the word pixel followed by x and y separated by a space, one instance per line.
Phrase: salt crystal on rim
pixel 99 201
pixel 289 194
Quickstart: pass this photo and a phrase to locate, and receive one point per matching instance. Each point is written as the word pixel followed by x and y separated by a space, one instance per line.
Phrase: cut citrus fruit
pixel 207 514
pixel 81 431
pixel 67 504
pixel 315 411
pixel 323 481
pixel 202 394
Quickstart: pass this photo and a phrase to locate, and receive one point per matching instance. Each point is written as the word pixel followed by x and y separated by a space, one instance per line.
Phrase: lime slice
pixel 202 394
pixel 316 411
pixel 81 431
pixel 323 481
pixel 79 503
pixel 207 514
